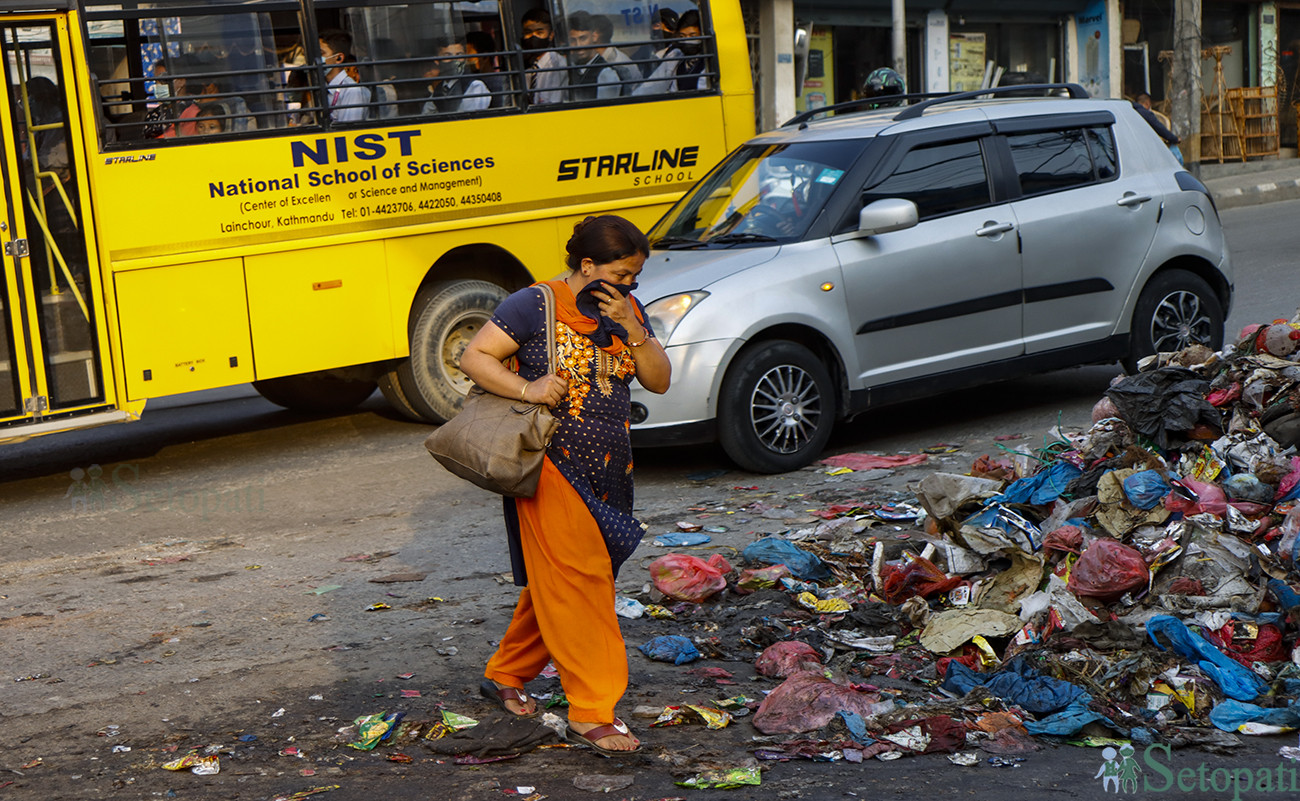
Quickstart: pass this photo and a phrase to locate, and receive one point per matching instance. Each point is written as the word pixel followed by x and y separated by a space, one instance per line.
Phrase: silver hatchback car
pixel 839 264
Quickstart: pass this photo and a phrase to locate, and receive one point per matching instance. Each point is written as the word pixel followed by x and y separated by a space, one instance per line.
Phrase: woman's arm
pixel 483 361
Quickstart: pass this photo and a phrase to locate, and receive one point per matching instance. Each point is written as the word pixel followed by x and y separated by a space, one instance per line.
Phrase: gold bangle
pixel 644 340
pixel 524 391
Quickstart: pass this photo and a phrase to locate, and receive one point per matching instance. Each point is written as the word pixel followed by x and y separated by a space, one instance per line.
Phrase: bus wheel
pixel 429 385
pixel 315 392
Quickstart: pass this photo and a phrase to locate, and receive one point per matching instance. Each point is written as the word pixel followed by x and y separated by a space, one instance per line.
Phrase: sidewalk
pixel 1250 183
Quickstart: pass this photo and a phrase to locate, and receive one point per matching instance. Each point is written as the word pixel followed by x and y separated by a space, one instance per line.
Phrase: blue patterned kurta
pixel 591 447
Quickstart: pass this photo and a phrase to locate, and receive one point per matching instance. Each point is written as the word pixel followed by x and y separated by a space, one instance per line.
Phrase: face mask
pixel 535 43
pixel 452 68
pixel 161 91
pixel 690 48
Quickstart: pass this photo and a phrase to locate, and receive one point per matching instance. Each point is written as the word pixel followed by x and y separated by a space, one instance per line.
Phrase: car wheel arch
pixel 1196 265
pixel 811 338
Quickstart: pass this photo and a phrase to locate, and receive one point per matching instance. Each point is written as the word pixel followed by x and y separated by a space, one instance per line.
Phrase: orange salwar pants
pixel 566 613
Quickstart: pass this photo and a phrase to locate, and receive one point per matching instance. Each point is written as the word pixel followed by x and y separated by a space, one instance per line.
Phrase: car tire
pixel 315 392
pixel 428 385
pixel 1175 309
pixel 776 408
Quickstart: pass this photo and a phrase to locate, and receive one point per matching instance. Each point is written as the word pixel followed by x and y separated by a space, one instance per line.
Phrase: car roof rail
pixel 861 104
pixel 1076 91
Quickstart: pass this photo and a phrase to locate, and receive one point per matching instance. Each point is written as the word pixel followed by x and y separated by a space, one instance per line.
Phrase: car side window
pixel 940 179
pixel 1050 161
pixel 1101 141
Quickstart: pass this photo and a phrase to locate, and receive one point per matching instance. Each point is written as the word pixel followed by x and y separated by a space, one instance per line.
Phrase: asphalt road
pixel 162 577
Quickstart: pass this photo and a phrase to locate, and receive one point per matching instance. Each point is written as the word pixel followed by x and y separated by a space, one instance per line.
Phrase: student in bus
pixel 480 44
pixel 209 121
pixel 663 28
pixel 454 89
pixel 629 74
pixel 593 78
pixel 347 101
pixel 689 69
pixel 547 75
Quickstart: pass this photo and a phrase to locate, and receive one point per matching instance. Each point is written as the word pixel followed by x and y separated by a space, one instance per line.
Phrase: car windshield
pixel 760 194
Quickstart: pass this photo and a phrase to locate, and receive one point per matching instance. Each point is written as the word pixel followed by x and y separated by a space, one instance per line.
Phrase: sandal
pixel 499 695
pixel 590 737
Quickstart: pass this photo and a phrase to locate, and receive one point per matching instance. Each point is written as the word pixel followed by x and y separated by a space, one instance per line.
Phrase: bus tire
pixel 776 408
pixel 444 318
pixel 392 391
pixel 315 392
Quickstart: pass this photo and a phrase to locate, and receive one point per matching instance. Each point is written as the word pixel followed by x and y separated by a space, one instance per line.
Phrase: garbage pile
pixel 1135 582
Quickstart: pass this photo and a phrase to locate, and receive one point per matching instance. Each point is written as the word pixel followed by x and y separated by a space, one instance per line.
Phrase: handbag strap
pixel 548 297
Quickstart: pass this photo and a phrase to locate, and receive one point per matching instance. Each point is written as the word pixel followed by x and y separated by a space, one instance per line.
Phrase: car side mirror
pixel 883 216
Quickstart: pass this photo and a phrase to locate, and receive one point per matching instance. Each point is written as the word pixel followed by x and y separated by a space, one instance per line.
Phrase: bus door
pixel 52 338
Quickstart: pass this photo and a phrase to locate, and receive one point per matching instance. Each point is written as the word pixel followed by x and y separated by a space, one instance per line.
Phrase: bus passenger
pixel 546 74
pixel 477 44
pixel 593 78
pixel 663 28
pixel 208 121
pixel 688 70
pixel 453 91
pixel 629 74
pixel 347 100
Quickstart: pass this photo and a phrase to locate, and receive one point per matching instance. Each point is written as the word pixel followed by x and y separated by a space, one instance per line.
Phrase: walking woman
pixel 568 541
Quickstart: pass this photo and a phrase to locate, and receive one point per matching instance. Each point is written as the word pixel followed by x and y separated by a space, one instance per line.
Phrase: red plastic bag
pixel 807 702
pixel 786 658
pixel 689 578
pixel 1107 570
pixel 918 577
pixel 1192 497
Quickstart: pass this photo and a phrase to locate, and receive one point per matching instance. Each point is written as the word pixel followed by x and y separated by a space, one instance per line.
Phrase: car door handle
pixel 994 228
pixel 1131 199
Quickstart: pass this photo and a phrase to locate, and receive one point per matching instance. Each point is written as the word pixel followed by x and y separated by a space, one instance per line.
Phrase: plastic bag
pixel 1108 569
pixel 1192 497
pixel 1043 487
pixel 1235 680
pixel 1145 489
pixel 786 658
pixel 689 578
pixel 774 551
pixel 752 579
pixel 807 701
pixel 671 648
pixel 918 577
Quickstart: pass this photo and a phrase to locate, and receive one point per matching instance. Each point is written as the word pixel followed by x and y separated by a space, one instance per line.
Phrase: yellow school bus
pixel 322 197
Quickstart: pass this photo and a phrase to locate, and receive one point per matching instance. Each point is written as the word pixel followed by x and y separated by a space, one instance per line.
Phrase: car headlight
pixel 666 314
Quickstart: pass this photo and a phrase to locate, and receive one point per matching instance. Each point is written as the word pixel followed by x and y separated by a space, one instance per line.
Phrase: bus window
pixel 423 59
pixel 616 51
pixel 158 75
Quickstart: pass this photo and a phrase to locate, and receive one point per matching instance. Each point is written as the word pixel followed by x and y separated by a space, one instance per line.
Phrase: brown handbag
pixel 495 442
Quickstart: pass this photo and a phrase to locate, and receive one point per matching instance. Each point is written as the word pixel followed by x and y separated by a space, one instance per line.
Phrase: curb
pixel 1267 192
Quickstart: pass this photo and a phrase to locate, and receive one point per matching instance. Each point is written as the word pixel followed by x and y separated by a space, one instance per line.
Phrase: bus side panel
pixel 320 308
pixel 184 328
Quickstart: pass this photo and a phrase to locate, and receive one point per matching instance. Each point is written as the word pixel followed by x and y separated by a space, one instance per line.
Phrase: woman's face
pixel 624 271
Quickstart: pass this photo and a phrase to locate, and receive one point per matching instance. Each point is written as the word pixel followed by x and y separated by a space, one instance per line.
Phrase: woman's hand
pixel 618 307
pixel 550 389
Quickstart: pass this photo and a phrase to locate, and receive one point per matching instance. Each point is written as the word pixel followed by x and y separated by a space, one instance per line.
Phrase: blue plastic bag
pixel 774 551
pixel 1231 676
pixel 1018 682
pixel 675 539
pixel 1042 487
pixel 671 648
pixel 1068 721
pixel 1229 715
pixel 1146 489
